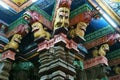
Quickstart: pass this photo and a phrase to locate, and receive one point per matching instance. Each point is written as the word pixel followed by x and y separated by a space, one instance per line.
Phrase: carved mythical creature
pixel 79 30
pixel 62 18
pixel 14 42
pixel 38 30
pixel 101 51
pixel 117 69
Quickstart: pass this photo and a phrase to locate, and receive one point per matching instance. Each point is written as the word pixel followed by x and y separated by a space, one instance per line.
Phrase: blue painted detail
pixel 8 16
pixel 78 64
pixel 4 39
pixel 76 3
pixel 96 24
pixel 82 49
pixel 46 5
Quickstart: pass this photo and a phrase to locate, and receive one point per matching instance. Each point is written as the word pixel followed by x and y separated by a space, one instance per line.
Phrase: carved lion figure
pixel 38 30
pixel 117 69
pixel 62 18
pixel 79 30
pixel 14 42
pixel 100 51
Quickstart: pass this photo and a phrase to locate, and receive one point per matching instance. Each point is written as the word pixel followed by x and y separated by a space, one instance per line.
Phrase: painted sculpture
pixel 117 69
pixel 62 18
pixel 38 30
pixel 62 14
pixel 14 42
pixel 79 30
pixel 101 51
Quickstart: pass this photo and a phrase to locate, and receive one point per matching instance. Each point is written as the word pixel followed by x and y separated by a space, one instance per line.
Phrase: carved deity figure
pixel 38 30
pixel 101 51
pixel 62 18
pixel 79 30
pixel 14 42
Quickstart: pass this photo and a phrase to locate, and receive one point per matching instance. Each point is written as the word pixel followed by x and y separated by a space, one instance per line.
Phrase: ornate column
pixel 4 64
pixel 96 68
pixel 56 61
pixel 9 52
pixel 22 71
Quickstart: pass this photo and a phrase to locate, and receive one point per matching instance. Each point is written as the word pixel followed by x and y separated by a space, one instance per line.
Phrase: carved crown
pixel 65 3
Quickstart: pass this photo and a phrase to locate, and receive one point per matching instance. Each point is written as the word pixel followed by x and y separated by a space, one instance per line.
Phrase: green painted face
pixel 62 18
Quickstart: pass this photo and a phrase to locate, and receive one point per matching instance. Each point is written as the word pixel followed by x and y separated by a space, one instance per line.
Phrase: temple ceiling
pixel 16 8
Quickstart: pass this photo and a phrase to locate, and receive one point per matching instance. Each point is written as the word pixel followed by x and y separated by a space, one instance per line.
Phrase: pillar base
pixel 5 67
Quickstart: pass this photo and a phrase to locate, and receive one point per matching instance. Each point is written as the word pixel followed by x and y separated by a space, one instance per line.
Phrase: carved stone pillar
pixel 96 68
pixel 5 67
pixel 56 64
pixel 6 64
pixel 57 57
pixel 22 71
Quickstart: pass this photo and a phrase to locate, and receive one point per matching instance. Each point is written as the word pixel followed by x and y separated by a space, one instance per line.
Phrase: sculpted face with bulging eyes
pixel 81 29
pixel 14 42
pixel 38 30
pixel 62 18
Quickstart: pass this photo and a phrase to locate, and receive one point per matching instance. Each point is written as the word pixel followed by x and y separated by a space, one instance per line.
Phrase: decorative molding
pixel 8 55
pixel 40 11
pixel 114 61
pixel 3 39
pixel 106 34
pixel 61 40
pixel 113 55
pixel 95 61
pixel 79 10
pixel 100 33
pixel 15 24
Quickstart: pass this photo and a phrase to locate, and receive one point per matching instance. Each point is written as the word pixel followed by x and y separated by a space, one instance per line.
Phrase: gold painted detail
pixel 39 31
pixel 101 51
pixel 19 2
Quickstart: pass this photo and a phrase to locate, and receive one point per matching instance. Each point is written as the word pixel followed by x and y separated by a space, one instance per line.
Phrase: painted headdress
pixel 65 3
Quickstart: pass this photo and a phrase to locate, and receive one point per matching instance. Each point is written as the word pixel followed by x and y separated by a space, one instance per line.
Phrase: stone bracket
pixel 8 54
pixel 60 39
pixel 95 61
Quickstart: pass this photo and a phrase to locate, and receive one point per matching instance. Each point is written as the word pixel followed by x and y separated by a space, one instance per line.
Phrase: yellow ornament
pixel 14 42
pixel 62 18
pixel 79 30
pixel 38 30
pixel 101 51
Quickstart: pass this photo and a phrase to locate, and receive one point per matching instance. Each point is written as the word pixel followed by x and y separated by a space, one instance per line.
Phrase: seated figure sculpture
pixel 62 18
pixel 79 30
pixel 14 42
pixel 38 30
pixel 101 51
